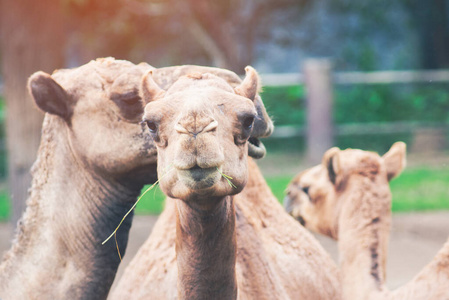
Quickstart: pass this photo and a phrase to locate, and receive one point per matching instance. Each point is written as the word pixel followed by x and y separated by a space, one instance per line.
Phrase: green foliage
pixel 364 103
pixel 285 105
pixel 390 103
pixel 357 104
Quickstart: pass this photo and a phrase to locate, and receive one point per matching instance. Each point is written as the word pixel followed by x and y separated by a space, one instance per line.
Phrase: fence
pixel 319 81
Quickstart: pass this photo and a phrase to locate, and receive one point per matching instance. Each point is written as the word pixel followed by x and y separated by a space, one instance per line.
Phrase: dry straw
pixel 114 233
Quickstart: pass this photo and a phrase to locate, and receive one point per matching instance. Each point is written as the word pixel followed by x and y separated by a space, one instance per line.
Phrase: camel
pixel 93 160
pixel 219 239
pixel 347 197
pixel 84 179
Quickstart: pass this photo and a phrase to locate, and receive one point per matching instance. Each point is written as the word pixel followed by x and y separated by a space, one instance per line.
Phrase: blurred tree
pixel 32 39
pixel 221 33
pixel 431 20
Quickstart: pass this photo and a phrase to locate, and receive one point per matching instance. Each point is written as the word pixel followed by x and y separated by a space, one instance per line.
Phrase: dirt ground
pixel 415 239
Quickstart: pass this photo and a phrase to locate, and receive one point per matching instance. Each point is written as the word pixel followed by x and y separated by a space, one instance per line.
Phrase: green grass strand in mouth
pixel 228 178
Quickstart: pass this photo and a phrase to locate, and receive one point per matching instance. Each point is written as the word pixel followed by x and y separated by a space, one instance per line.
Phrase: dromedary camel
pixel 84 179
pixel 348 198
pixel 226 246
pixel 93 160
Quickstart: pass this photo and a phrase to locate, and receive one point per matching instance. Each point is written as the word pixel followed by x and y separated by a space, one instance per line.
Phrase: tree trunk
pixel 431 20
pixel 32 40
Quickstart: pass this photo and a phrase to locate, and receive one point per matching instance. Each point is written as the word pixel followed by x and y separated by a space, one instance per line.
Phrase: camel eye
pixel 248 122
pixel 152 126
pixel 305 190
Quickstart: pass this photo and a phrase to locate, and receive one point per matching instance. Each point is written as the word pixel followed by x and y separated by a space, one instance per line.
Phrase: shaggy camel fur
pixel 87 179
pixel 348 198
pixel 226 246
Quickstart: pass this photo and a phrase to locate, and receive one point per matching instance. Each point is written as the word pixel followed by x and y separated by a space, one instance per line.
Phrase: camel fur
pixel 348 198
pixel 93 161
pixel 261 253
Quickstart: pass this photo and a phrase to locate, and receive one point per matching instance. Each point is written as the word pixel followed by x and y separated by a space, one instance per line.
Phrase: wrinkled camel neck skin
pixel 206 251
pixel 57 253
pixel 276 257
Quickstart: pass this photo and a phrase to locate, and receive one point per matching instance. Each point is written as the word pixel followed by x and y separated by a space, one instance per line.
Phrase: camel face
pixel 100 107
pixel 310 198
pixel 263 125
pixel 201 126
pixel 316 196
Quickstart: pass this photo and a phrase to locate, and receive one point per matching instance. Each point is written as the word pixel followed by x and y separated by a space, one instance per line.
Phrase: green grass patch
pixel 5 206
pixel 278 184
pixel 417 189
pixel 420 189
pixel 152 202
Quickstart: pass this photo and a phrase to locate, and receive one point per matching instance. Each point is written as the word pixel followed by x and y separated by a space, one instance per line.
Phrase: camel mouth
pixel 256 148
pixel 301 220
pixel 290 209
pixel 197 178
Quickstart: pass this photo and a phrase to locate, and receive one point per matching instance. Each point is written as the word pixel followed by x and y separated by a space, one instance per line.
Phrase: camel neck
pixel 58 247
pixel 206 251
pixel 363 233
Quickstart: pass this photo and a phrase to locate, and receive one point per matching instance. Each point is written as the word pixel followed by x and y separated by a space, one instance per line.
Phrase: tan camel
pixel 84 179
pixel 93 160
pixel 348 198
pixel 227 246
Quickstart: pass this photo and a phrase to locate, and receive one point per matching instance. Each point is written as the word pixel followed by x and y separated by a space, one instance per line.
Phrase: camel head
pixel 263 125
pixel 98 108
pixel 201 126
pixel 315 197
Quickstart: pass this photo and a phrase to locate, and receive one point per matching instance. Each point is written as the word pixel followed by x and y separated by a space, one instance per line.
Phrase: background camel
pixel 348 198
pixel 275 257
pixel 84 179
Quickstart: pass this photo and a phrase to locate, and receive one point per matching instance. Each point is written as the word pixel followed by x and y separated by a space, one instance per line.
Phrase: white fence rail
pixel 377 77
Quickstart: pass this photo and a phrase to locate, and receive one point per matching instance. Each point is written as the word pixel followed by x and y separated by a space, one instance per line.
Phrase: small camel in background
pixel 348 198
pixel 228 245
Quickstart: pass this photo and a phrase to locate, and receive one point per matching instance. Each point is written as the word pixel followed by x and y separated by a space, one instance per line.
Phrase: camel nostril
pixel 180 129
pixel 211 127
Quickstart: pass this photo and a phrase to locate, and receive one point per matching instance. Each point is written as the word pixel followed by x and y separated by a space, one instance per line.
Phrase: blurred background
pixel 360 74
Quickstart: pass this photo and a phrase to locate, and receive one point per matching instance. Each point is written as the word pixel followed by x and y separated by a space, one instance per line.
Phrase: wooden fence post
pixel 319 93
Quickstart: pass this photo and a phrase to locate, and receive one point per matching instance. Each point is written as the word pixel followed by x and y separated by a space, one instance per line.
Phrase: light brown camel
pixel 84 179
pixel 226 246
pixel 93 160
pixel 348 198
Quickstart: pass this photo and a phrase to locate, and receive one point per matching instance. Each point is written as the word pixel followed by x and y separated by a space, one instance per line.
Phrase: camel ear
pixel 332 163
pixel 150 89
pixel 395 159
pixel 249 87
pixel 48 95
